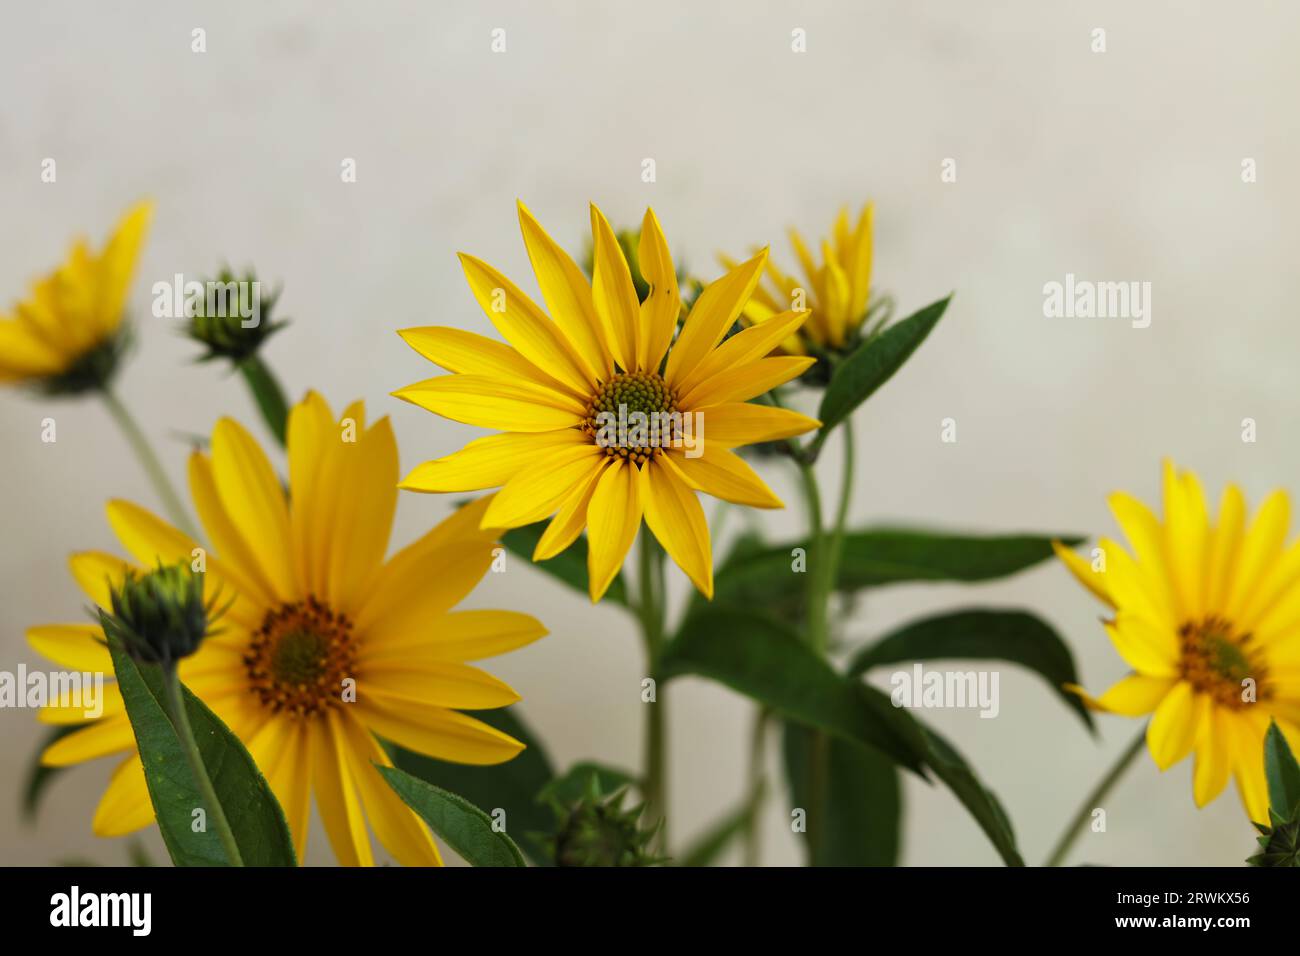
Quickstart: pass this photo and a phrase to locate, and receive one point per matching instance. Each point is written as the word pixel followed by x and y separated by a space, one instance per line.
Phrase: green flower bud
pixel 233 318
pixel 1280 843
pixel 159 616
pixel 598 831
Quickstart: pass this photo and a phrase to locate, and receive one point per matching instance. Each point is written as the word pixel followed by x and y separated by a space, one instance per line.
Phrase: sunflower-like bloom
pixel 65 335
pixel 836 290
pixel 563 387
pixel 1208 617
pixel 323 646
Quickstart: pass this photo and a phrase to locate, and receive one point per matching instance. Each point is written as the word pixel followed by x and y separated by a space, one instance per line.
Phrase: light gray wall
pixel 1122 165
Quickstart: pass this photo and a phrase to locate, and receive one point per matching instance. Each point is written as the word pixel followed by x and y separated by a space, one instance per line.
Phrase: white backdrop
pixel 1123 165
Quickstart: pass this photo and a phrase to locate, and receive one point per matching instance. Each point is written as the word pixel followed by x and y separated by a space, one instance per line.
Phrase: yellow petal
pixel 613 294
pixel 488 462
pixel 1225 546
pixel 613 517
pixel 755 342
pixel 713 313
pixel 674 514
pixel 238 562
pixel 725 475
pixel 336 796
pixel 105 736
pixel 1177 722
pixel 742 423
pixel 282 750
pixel 1213 758
pixel 362 517
pixel 1247 743
pixel 251 494
pixel 526 327
pixel 117 264
pixel 438 732
pixel 494 403
pixel 1135 695
pixel 1147 536
pixel 125 806
pixel 1131 590
pixel 459 351
pixel 314 443
pixel 571 518
pixel 748 381
pixel 79 647
pixel 1148 648
pixel 444 683
pixel 567 294
pixel 400 831
pixel 540 487
pixel 98 574
pixel 1260 550
pixel 660 309
pixel 1081 568
pixel 414 593
pixel 458 636
pixel 859 265
pixel 1187 530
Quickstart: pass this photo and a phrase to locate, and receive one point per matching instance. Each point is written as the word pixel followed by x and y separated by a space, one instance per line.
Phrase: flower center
pixel 300 656
pixel 1216 661
pixel 633 415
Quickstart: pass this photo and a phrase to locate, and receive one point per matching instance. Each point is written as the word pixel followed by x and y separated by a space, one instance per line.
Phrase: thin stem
pixel 268 394
pixel 757 786
pixel 153 468
pixel 842 511
pixel 1090 802
pixel 819 575
pixel 185 733
pixel 650 608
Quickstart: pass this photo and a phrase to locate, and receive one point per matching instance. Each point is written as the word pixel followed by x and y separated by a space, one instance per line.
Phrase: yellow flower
pixel 836 290
pixel 556 391
pixel 64 334
pixel 1208 617
pixel 315 605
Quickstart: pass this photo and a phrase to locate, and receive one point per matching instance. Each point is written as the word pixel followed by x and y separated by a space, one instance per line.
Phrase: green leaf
pixel 763 659
pixel 250 807
pixel 1283 774
pixel 710 845
pixel 861 816
pixel 569 566
pixel 873 364
pixel 464 827
pixel 764 576
pixel 982 634
pixel 511 786
pixel 39 776
pixel 575 784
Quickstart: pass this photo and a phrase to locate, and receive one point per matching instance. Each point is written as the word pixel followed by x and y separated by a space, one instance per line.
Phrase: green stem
pixel 820 570
pixel 1093 799
pixel 757 786
pixel 842 510
pixel 145 453
pixel 650 611
pixel 185 733
pixel 268 394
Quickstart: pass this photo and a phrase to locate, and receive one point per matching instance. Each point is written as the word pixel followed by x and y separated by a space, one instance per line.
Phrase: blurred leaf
pixel 464 827
pixel 861 818
pixel 569 566
pixel 765 660
pixel 1283 774
pixel 39 776
pixel 575 784
pixel 710 845
pixel 255 817
pixel 981 634
pixel 873 364
pixel 512 786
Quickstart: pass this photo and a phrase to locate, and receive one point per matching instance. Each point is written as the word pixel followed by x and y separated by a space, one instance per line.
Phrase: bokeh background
pixel 1123 165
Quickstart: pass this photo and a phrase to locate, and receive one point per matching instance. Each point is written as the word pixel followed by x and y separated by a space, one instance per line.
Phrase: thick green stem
pixel 1090 802
pixel 650 609
pixel 153 468
pixel 268 394
pixel 185 733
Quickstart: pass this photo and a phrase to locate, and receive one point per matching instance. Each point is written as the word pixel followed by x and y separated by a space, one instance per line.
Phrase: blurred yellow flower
pixel 566 385
pixel 835 290
pixel 1208 617
pixel 315 610
pixel 64 336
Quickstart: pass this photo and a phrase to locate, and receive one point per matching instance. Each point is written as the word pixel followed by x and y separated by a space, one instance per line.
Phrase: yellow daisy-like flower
pixel 74 314
pixel 314 604
pixel 836 290
pixel 1208 617
pixel 557 389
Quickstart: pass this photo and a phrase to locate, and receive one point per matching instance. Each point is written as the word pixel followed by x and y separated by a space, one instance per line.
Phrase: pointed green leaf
pixel 464 827
pixel 250 807
pixel 39 776
pixel 981 634
pixel 1283 774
